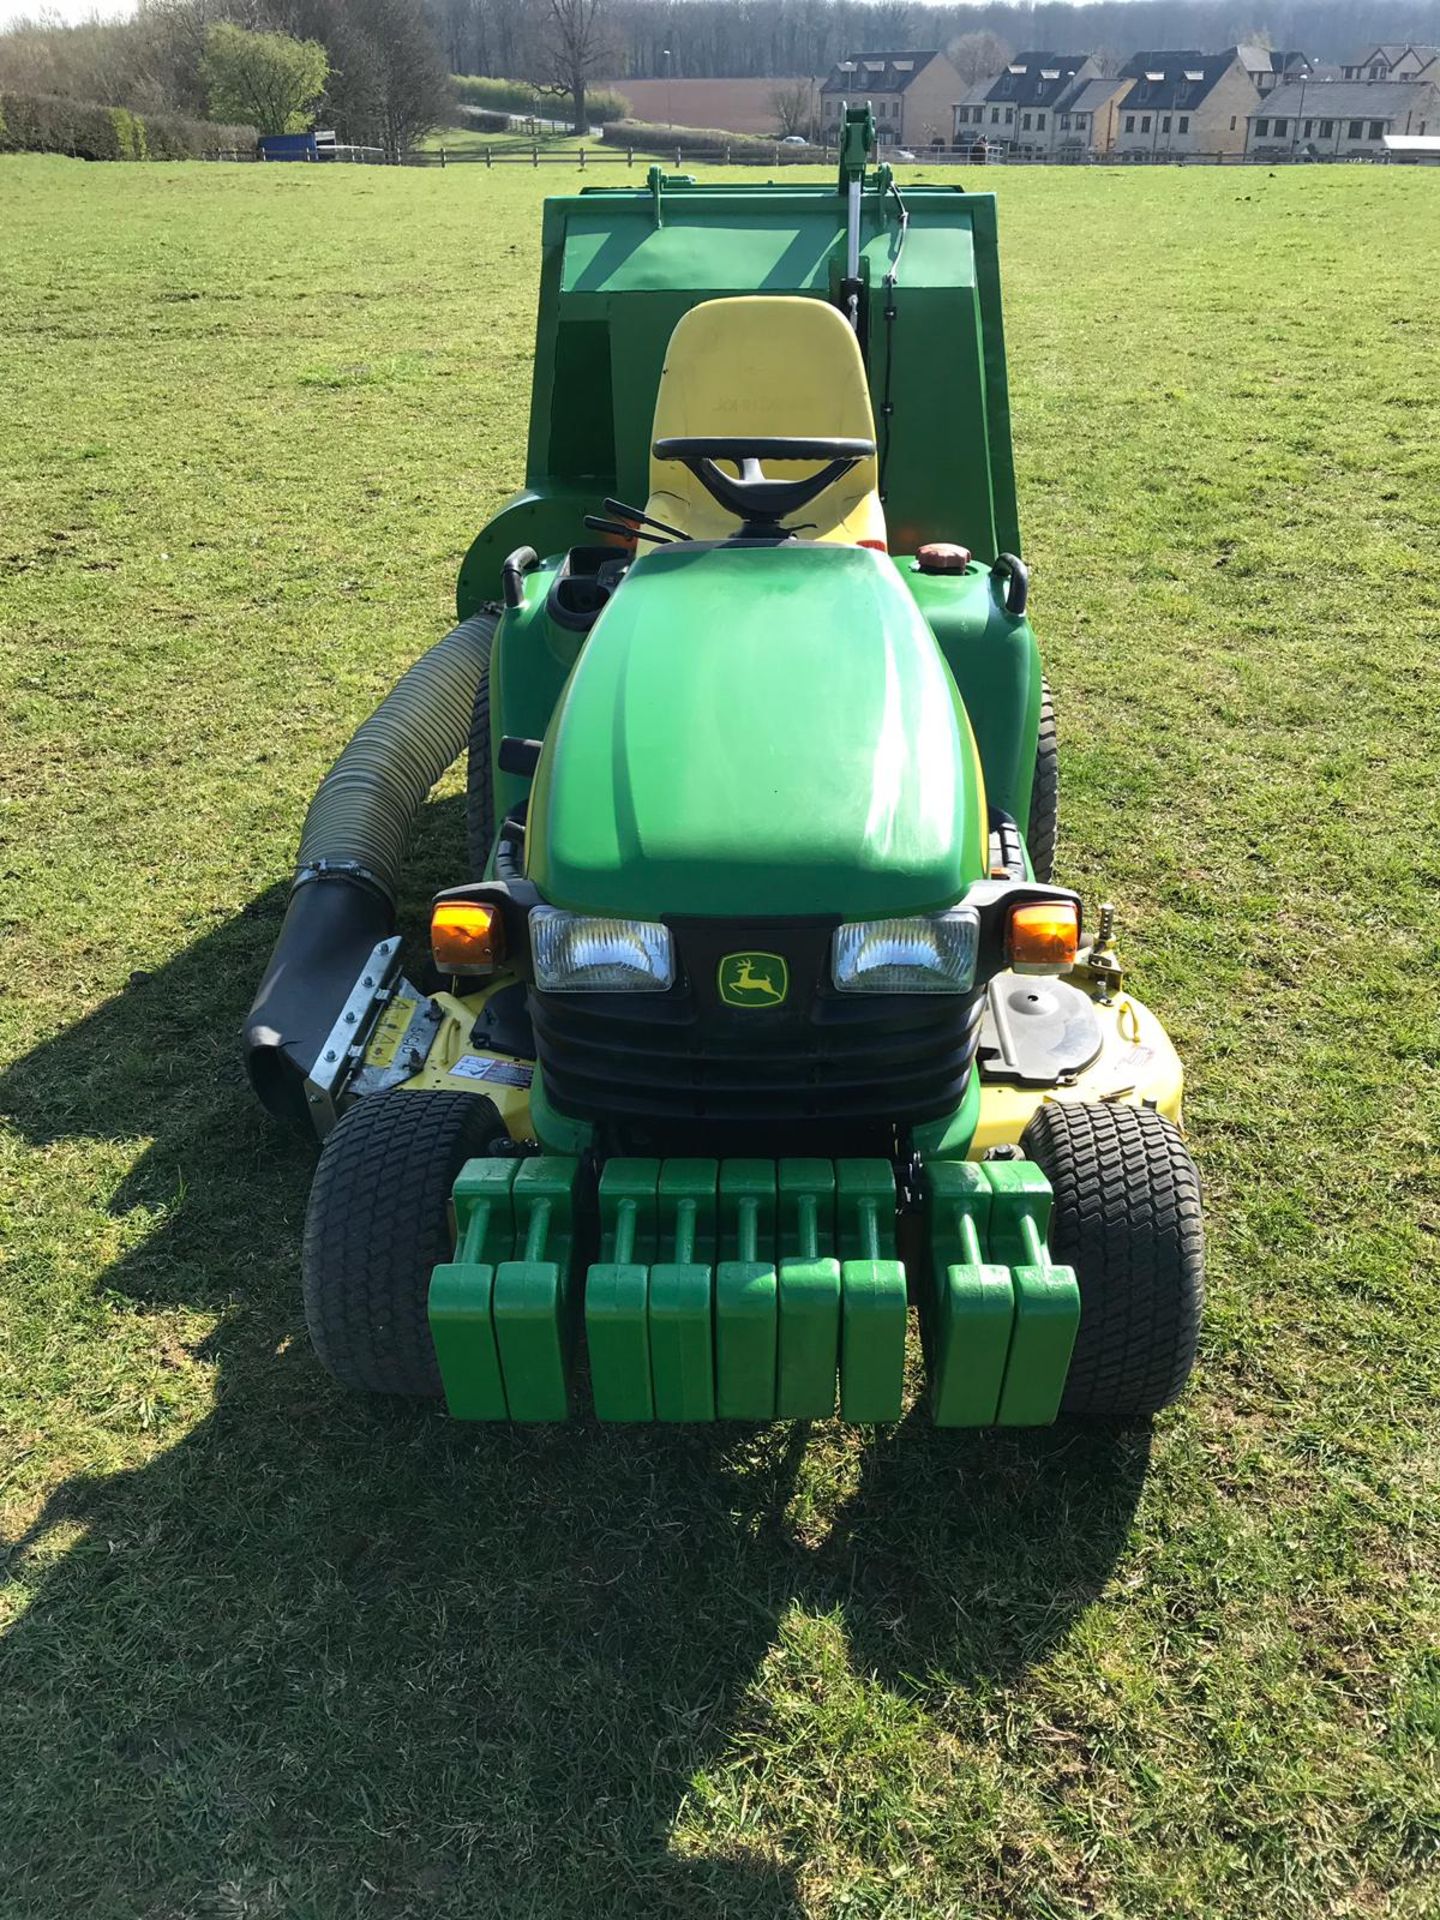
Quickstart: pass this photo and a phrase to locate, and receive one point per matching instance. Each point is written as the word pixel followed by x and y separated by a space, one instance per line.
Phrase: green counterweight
pixel 752 1289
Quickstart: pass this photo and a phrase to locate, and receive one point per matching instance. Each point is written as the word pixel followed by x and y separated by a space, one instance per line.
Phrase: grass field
pixel 272 1651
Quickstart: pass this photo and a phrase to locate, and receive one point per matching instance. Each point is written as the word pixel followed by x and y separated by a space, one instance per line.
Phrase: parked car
pixel 794 140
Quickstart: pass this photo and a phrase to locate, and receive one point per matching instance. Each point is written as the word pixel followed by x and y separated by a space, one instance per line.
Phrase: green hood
pixel 758 731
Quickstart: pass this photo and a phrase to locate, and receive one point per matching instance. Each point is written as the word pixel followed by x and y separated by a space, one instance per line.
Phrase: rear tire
pixel 1127 1218
pixel 378 1221
pixel 479 781
pixel 1043 832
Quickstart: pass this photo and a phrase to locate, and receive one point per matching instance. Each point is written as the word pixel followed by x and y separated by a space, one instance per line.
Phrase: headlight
pixel 933 953
pixel 576 953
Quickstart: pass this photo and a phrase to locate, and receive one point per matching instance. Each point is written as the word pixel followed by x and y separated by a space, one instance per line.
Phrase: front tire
pixel 1127 1218
pixel 378 1221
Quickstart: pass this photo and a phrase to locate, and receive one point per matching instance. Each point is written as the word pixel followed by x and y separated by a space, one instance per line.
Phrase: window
pixel 994 116
pixel 1145 123
pixel 1356 130
pixel 1165 124
pixel 1009 116
pixel 1281 128
pixel 1377 128
pixel 1129 123
pixel 1025 122
pixel 1040 123
pixel 1082 120
pixel 1327 128
pixel 1309 128
pixel 1184 123
pixel 1262 129
pixel 1064 123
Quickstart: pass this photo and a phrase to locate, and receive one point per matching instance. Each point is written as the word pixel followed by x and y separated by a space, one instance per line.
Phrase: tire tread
pixel 377 1222
pixel 1042 835
pixel 1127 1216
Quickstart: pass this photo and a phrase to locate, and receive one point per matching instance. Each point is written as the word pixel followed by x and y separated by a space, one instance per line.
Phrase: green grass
pixel 273 1651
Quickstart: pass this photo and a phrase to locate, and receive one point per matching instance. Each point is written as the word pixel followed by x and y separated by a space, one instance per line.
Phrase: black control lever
pixel 596 525
pixel 619 508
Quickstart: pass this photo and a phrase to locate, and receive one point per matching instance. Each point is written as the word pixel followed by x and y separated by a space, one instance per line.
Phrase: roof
pixel 879 72
pixel 1389 52
pixel 1031 80
pixel 1089 96
pixel 1345 99
pixel 1165 79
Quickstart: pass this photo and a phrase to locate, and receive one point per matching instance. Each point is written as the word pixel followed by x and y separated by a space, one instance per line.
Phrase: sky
pixel 68 11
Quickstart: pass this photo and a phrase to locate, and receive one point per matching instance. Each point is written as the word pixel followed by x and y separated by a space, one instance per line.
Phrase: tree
pixel 978 56
pixel 886 25
pixel 265 80
pixel 577 42
pixel 388 84
pixel 412 88
pixel 793 107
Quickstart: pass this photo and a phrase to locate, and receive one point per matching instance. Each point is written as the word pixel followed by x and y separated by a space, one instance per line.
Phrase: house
pixel 1015 109
pixel 1394 62
pixel 1341 119
pixel 1268 67
pixel 1185 103
pixel 1043 106
pixel 911 93
pixel 1087 117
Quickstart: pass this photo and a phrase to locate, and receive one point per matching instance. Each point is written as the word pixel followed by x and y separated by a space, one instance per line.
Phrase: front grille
pixel 823 1058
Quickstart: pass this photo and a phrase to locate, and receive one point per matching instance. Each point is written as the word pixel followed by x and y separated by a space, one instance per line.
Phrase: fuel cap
pixel 942 556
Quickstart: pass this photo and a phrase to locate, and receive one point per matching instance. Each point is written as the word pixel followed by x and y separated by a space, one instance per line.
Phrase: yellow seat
pixel 766 367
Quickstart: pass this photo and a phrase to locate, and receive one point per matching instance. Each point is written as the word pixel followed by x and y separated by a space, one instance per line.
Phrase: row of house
pixel 1167 105
pixel 1162 105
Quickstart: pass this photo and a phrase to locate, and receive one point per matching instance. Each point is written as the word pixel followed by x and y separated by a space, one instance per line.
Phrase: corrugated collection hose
pixel 352 851
pixel 362 816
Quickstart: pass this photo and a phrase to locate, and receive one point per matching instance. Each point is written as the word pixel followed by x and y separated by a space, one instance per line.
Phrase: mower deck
pixel 750 1290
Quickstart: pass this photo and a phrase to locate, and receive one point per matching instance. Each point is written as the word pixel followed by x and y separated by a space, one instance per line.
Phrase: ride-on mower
pixel 758 1017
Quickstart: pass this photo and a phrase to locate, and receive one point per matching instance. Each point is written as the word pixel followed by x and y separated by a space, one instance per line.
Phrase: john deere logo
pixel 753 979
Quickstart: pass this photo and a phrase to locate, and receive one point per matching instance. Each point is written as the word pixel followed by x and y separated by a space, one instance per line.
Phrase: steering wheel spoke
pixel 760 503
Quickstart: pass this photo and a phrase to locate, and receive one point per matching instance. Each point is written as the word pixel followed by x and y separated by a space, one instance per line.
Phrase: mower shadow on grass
pixel 329 1655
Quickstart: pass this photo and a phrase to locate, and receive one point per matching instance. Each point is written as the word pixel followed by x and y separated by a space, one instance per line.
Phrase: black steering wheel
pixel 758 503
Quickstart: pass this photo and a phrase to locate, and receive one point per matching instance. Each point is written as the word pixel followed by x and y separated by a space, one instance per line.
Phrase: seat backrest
pixel 766 366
